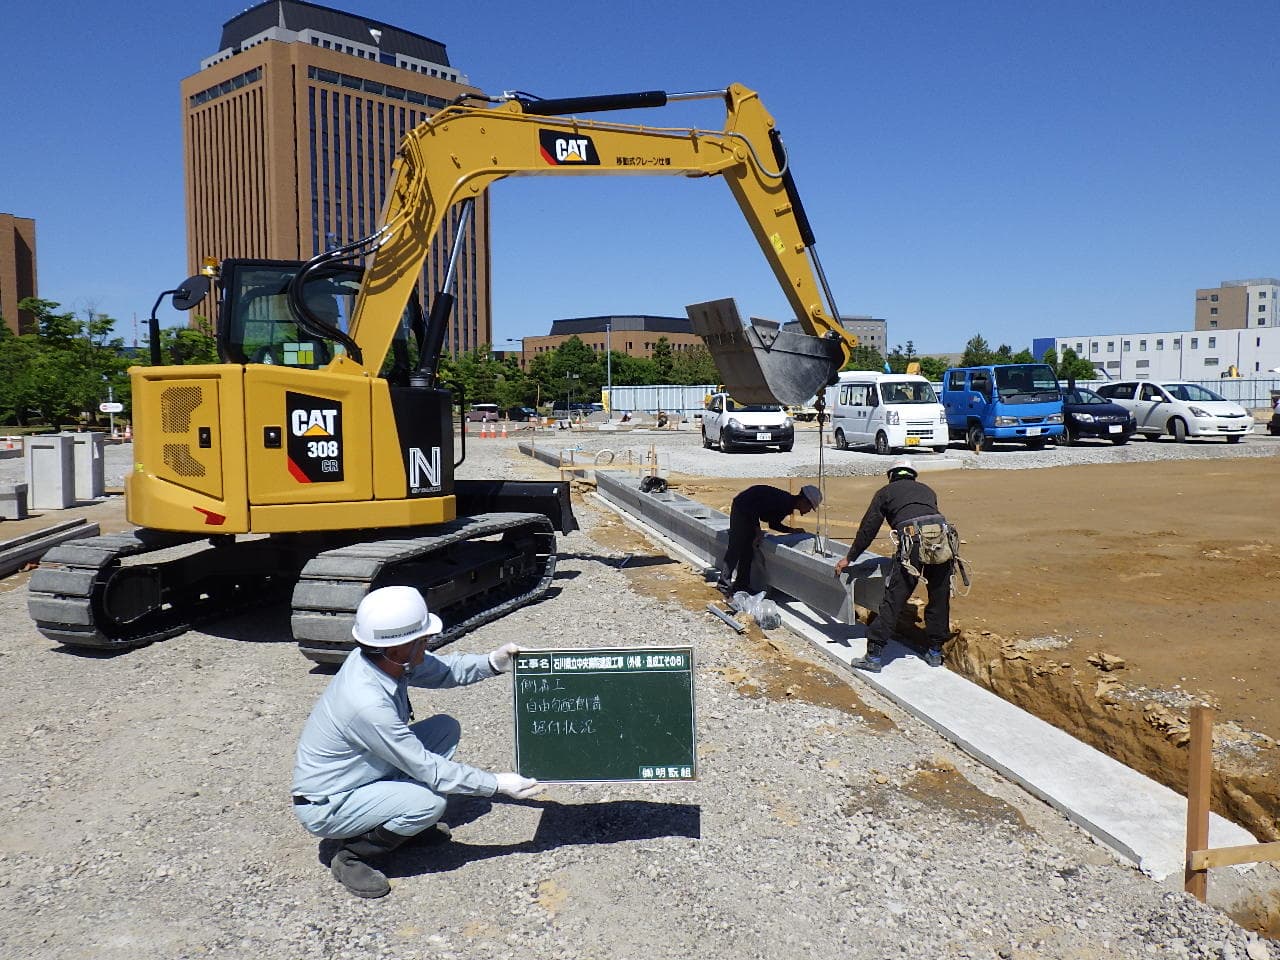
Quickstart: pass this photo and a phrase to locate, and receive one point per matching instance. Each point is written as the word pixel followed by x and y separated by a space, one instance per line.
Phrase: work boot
pixel 435 835
pixel 933 656
pixel 351 869
pixel 871 663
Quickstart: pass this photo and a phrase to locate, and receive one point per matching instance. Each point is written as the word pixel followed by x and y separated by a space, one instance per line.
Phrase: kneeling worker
pixel 911 510
pixel 365 774
pixel 754 505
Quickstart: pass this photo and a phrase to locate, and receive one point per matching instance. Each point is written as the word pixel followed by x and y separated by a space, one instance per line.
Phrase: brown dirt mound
pixel 1172 567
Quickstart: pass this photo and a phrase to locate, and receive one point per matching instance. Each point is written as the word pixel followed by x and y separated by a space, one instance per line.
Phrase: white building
pixel 1179 354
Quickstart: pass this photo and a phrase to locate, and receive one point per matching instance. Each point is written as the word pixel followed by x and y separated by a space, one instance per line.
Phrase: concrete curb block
pixel 787 562
pixel 18 552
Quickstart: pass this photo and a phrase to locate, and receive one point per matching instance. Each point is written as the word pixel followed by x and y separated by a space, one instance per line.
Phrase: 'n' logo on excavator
pixel 561 149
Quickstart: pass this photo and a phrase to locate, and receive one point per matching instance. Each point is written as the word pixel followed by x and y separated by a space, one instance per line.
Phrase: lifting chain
pixel 819 541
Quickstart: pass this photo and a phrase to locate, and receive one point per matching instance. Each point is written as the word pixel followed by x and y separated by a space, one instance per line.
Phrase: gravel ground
pixel 147 807
pixel 682 452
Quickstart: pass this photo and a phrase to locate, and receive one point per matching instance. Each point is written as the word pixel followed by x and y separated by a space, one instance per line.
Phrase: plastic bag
pixel 759 607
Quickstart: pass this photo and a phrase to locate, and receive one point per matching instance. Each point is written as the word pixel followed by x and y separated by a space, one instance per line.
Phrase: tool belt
pixel 929 541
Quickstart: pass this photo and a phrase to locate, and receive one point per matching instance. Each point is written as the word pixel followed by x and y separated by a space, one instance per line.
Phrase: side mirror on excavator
pixel 187 295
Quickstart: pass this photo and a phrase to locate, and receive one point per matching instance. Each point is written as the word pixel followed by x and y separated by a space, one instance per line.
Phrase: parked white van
pixel 888 411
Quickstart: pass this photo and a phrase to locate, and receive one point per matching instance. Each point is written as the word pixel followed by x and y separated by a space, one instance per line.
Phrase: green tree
pixel 189 344
pixel 976 352
pixel 571 372
pixel 69 363
pixel 863 357
pixel 1070 366
pixel 1003 354
pixel 933 368
pixel 1024 356
pixel 632 371
pixel 662 359
pixel 694 366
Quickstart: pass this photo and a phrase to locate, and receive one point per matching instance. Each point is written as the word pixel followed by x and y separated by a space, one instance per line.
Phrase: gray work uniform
pixel 361 762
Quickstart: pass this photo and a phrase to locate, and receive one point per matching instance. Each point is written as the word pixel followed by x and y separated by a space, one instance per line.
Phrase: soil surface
pixel 148 818
pixel 1172 567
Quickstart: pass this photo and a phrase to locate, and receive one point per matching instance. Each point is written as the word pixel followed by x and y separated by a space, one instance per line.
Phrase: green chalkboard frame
pixel 605 714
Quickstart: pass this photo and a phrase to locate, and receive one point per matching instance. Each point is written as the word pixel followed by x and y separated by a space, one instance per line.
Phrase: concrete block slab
pixel 1141 820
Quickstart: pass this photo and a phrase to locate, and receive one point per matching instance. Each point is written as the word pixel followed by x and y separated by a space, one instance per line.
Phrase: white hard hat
pixel 812 494
pixel 390 616
pixel 902 465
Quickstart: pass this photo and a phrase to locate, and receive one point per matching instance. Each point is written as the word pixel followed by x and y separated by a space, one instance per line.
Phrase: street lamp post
pixel 608 367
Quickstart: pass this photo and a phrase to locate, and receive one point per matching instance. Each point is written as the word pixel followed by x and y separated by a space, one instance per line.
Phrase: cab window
pixel 980 382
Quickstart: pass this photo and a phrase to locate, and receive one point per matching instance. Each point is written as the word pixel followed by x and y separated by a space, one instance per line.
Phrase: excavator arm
pixel 462 150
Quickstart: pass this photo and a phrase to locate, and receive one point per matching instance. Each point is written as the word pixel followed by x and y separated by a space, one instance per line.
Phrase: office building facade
pixel 290 131
pixel 17 271
pixel 1175 354
pixel 870 331
pixel 634 336
pixel 1238 305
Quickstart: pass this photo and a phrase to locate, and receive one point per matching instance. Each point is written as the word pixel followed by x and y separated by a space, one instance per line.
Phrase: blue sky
pixel 1014 169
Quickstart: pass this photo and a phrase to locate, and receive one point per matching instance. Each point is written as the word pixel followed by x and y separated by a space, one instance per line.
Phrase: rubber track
pixel 333 583
pixel 61 589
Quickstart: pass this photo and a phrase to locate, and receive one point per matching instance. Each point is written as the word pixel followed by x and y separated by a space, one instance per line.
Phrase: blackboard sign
pixel 616 713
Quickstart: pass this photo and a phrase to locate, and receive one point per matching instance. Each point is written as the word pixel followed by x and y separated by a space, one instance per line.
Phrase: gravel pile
pixel 146 798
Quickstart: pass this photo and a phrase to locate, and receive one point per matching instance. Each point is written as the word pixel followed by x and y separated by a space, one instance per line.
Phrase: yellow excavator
pixel 318 456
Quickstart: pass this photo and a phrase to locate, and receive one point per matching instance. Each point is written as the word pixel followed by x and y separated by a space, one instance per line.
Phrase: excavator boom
pixel 465 148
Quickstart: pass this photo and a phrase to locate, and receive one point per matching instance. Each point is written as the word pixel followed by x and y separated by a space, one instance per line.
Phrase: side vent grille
pixel 177 457
pixel 176 406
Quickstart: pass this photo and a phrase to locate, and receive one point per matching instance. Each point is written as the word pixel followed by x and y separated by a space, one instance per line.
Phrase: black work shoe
pixel 871 663
pixel 933 656
pixel 434 835
pixel 357 876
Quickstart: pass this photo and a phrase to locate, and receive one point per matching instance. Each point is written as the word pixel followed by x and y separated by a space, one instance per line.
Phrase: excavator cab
pixel 260 325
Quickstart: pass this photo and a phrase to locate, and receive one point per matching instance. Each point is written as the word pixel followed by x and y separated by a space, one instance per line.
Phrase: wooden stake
pixel 1199 775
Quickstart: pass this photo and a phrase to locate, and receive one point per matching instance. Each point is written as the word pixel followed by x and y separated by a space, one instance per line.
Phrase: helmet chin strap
pixel 413 652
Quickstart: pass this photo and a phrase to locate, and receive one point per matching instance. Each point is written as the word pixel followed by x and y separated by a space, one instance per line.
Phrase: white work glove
pixel 500 659
pixel 517 787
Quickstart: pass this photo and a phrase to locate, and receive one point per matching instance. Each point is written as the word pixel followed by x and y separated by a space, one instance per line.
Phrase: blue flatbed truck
pixel 1021 402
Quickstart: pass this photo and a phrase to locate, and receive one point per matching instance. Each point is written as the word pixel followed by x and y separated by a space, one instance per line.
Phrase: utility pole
pixel 608 367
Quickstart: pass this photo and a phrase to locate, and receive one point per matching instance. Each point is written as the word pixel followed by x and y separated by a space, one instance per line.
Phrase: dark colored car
pixel 521 414
pixel 1088 415
pixel 576 409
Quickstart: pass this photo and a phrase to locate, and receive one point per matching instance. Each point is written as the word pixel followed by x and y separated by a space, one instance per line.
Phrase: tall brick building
pixel 290 130
pixel 17 270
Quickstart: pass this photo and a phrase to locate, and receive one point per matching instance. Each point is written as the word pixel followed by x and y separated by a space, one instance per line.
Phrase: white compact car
pixel 1179 409
pixel 887 411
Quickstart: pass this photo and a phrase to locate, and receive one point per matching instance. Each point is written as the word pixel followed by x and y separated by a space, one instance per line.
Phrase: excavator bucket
pixel 763 363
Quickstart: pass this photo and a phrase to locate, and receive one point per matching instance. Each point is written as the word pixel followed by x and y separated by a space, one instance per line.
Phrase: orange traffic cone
pixel 504 431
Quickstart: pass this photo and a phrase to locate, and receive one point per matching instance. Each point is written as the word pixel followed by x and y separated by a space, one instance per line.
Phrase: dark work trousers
pixel 743 528
pixel 898 586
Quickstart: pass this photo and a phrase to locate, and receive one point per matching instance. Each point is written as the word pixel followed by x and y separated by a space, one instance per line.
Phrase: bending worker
pixel 924 542
pixel 754 505
pixel 365 773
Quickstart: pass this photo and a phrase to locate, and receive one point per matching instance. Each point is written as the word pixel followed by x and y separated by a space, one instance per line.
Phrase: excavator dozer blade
pixel 762 363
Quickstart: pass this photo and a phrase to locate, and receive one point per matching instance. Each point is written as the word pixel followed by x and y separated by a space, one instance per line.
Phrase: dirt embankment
pixel 1108 599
